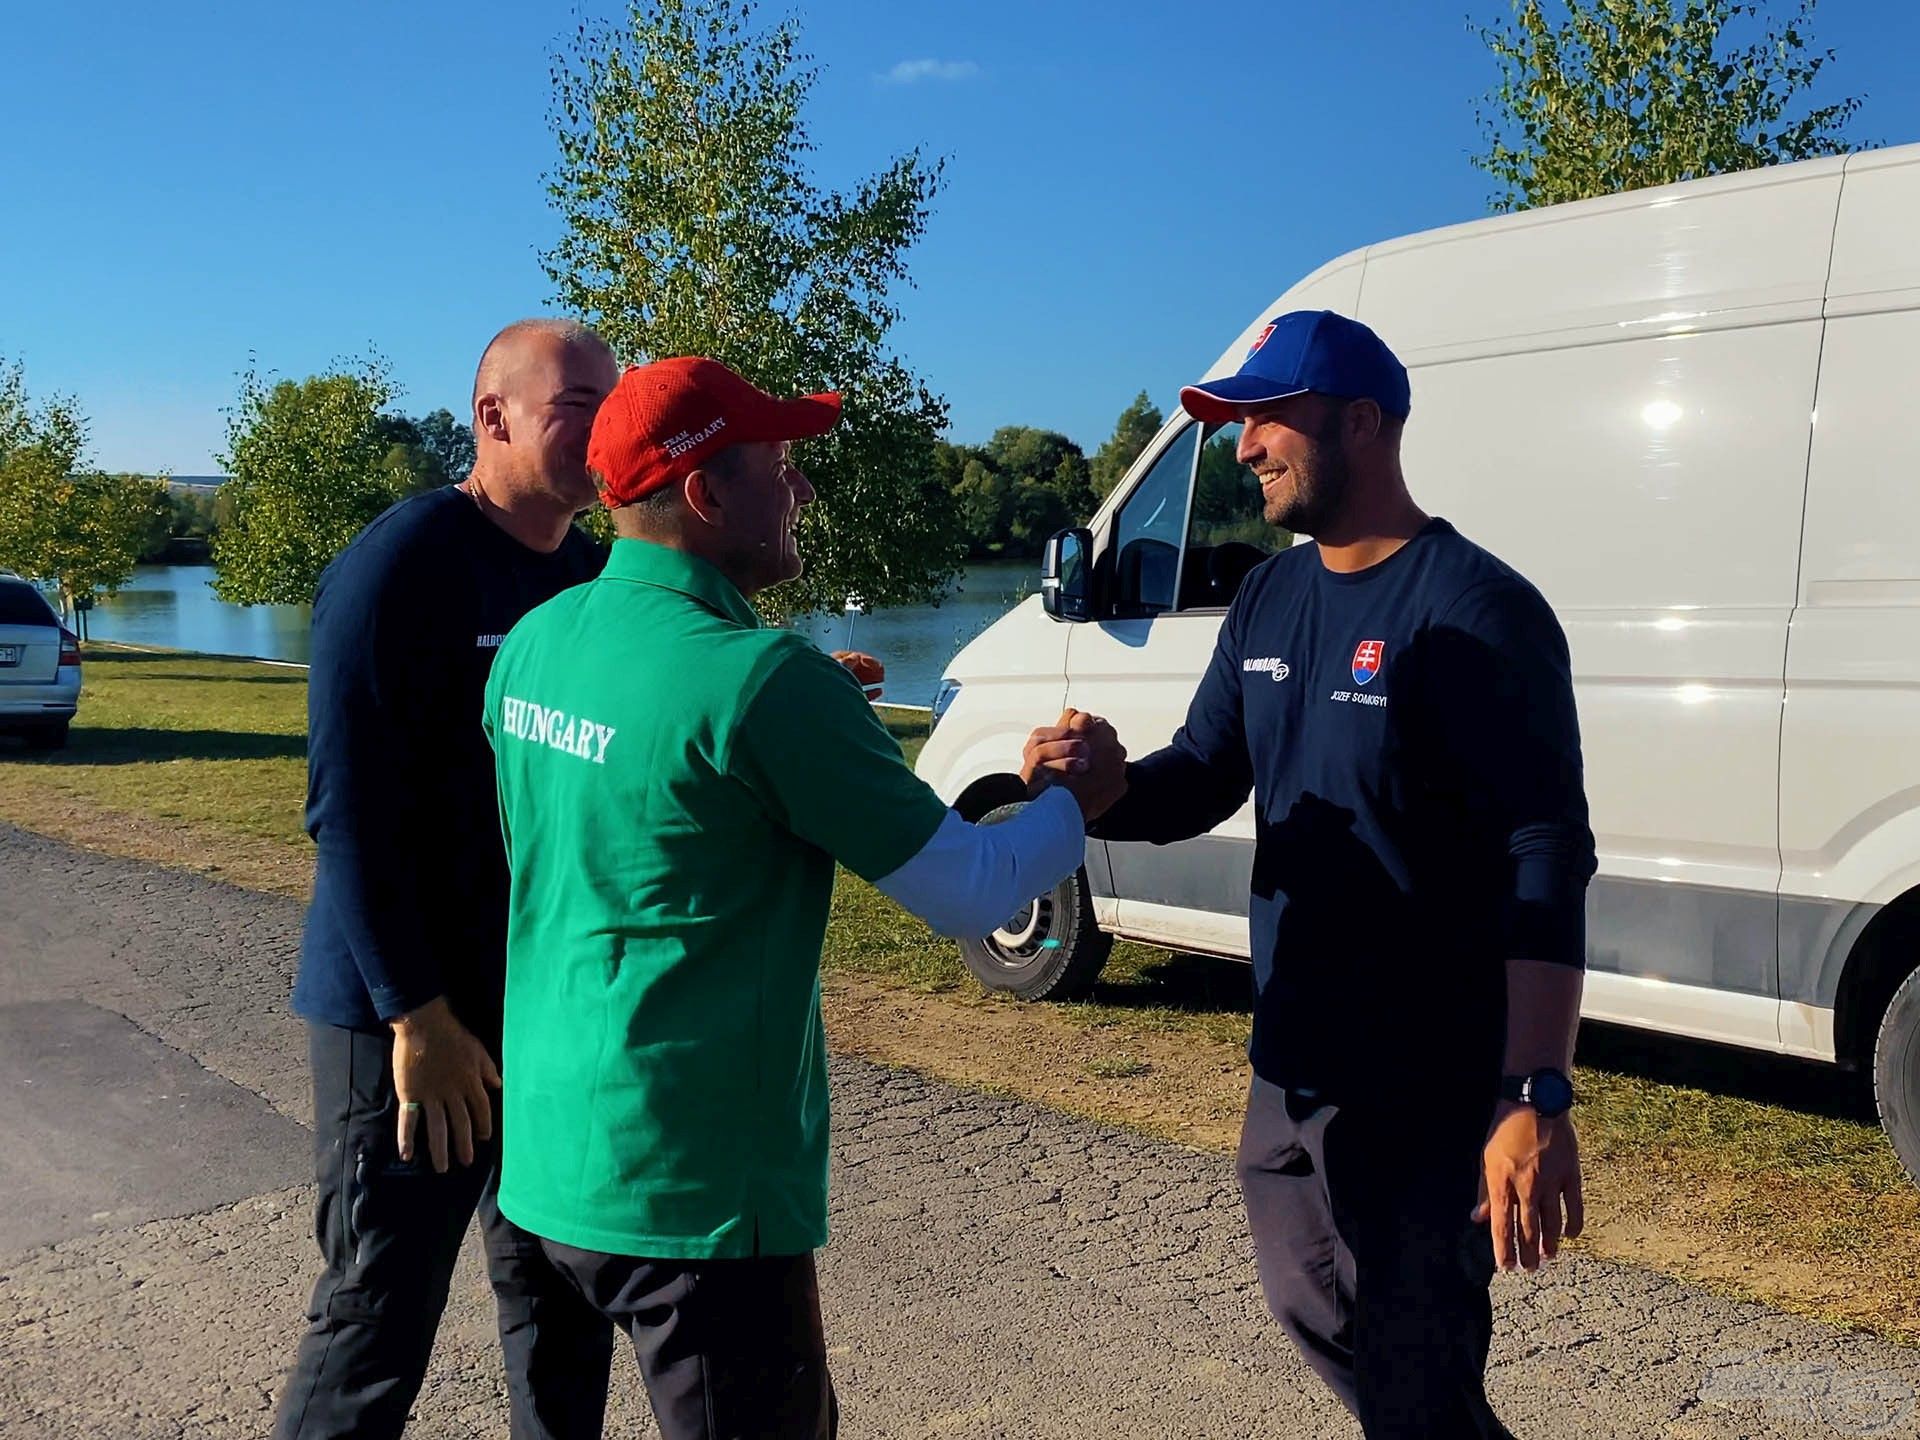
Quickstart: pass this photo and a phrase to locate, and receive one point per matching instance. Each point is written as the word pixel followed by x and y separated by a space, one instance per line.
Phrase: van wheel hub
pixel 1025 933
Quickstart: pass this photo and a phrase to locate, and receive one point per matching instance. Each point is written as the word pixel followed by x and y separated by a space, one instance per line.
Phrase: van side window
pixel 1149 531
pixel 1229 535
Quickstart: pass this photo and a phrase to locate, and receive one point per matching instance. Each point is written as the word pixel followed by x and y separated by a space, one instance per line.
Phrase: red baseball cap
pixel 665 419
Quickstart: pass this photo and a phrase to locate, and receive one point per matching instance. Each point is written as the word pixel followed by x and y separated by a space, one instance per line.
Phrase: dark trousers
pixel 1368 1258
pixel 389 1235
pixel 729 1349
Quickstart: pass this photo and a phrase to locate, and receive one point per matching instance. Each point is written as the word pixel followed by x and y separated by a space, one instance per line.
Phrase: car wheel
pixel 1050 949
pixel 1896 1073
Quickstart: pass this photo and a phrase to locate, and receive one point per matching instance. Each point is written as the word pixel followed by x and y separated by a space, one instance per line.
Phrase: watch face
pixel 1550 1092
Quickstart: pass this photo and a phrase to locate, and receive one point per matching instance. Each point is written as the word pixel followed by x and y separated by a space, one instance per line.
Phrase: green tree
pixel 193 514
pixel 448 441
pixel 404 456
pixel 1073 482
pixel 428 451
pixel 1137 425
pixel 1025 452
pixel 1039 509
pixel 1047 476
pixel 692 227
pixel 1598 96
pixel 950 463
pixel 147 505
pixel 308 463
pixel 985 499
pixel 81 530
pixel 39 448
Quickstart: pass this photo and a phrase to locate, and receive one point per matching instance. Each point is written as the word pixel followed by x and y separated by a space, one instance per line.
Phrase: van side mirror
pixel 1066 575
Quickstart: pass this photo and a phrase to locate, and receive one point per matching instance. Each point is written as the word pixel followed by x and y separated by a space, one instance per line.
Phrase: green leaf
pixel 1619 94
pixel 692 225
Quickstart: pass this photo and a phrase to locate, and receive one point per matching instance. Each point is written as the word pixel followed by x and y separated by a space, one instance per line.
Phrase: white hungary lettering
pixel 577 736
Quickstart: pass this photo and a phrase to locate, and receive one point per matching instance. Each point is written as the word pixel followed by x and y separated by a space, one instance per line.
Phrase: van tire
pixel 1896 1073
pixel 1051 950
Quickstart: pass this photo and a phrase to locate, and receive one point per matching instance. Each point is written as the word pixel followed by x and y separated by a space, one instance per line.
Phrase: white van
pixel 1691 416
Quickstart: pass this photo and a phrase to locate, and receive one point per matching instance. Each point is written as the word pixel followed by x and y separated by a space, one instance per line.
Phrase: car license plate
pixel 9 654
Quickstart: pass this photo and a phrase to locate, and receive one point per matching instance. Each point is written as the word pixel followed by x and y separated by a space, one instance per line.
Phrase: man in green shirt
pixel 676 784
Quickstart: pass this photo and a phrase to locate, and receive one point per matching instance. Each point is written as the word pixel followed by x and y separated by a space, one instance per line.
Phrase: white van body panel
pixel 1179 928
pixel 1679 412
pixel 1850 742
pixel 1012 676
pixel 1584 408
pixel 1704 1014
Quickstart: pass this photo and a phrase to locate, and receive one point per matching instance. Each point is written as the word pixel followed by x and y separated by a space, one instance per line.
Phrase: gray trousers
pixel 1368 1258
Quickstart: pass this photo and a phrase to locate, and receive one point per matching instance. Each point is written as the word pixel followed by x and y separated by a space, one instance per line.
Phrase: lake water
pixel 174 606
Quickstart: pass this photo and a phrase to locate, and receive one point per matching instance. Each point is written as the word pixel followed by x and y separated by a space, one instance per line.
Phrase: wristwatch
pixel 1547 1091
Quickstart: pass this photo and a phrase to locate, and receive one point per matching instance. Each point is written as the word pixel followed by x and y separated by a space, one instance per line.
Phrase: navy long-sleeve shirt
pixel 1409 736
pixel 410 882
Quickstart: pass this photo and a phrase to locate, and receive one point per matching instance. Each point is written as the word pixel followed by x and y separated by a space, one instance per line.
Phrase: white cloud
pixel 912 72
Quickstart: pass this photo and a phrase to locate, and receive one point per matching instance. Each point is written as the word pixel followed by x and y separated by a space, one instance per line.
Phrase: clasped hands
pixel 1081 754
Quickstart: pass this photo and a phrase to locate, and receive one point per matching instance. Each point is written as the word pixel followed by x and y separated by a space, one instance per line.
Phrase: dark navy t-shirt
pixel 410 883
pixel 1408 733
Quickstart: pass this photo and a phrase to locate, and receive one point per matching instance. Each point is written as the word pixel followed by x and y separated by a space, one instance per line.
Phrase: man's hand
pixel 441 1074
pixel 864 668
pixel 1081 752
pixel 1532 1169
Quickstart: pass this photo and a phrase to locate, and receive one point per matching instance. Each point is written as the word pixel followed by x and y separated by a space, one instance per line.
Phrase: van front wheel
pixel 1050 949
pixel 1896 1073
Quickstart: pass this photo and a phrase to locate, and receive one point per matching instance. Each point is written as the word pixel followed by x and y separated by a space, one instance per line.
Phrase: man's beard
pixel 1319 486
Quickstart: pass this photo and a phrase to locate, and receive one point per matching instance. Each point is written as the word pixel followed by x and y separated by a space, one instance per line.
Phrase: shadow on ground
pixel 1209 985
pixel 87 746
pixel 1194 984
pixel 1803 1085
pixel 183 671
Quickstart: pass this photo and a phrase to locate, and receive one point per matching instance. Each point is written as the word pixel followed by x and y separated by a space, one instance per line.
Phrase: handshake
pixel 1082 754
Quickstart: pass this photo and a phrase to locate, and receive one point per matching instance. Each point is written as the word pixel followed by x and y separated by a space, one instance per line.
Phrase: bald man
pixel 402 964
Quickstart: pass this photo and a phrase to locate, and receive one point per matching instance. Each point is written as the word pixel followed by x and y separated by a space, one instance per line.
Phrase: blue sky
pixel 1128 183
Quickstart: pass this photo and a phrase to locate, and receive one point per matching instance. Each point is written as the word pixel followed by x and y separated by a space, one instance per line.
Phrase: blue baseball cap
pixel 1306 351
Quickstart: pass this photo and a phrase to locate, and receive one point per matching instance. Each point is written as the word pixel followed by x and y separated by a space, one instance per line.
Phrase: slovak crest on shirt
pixel 1369 659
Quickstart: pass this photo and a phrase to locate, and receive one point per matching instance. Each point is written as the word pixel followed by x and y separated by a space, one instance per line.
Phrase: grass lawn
pixel 1759 1176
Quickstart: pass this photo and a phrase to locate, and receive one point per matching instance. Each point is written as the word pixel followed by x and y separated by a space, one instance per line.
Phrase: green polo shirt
pixel 676 783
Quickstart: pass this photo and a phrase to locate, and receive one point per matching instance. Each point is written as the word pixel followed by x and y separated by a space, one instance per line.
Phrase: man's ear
pixel 703 492
pixel 1364 420
pixel 490 416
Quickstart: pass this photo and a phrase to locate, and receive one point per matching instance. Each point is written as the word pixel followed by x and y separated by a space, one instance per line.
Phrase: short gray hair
pixel 653 507
pixel 487 375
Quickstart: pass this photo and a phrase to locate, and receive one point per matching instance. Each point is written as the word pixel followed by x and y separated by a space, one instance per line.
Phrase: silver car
pixel 39 667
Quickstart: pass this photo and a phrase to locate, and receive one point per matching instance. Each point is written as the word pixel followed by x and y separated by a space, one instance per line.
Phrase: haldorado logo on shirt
pixel 1266 664
pixel 537 724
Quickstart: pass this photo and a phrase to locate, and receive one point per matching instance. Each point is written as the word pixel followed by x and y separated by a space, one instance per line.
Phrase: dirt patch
pixel 248 861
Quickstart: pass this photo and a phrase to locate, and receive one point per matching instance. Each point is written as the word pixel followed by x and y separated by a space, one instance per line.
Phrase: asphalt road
pixel 997 1269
